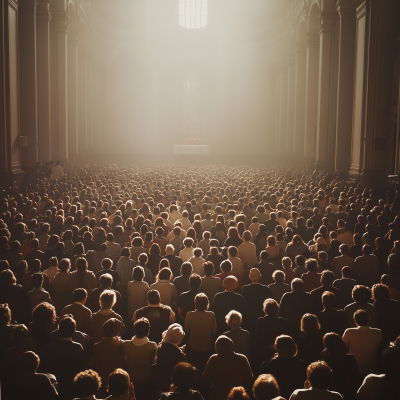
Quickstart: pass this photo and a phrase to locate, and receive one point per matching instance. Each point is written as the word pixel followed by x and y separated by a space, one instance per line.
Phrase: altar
pixel 194 149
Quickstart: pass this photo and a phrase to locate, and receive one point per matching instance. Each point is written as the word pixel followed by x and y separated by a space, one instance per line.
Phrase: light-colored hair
pixel 233 318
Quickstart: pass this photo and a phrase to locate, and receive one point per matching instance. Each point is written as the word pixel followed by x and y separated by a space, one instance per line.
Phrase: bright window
pixel 193 13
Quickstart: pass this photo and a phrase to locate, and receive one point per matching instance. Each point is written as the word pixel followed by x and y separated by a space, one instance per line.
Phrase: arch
pixel 301 34
pixel 313 22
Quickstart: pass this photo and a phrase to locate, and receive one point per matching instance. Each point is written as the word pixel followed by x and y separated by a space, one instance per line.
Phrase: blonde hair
pixel 233 318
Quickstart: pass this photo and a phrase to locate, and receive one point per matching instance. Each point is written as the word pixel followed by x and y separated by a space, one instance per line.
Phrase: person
pixel 344 260
pixel 295 304
pixel 159 315
pixel 215 257
pixel 247 251
pixel 204 244
pixel 227 301
pixel 124 269
pixel 225 370
pixel 137 291
pixel 37 295
pixel 167 290
pixel 182 282
pixel 233 238
pixel 143 259
pixel 106 268
pixel 344 366
pixel 237 264
pixel 388 313
pixel 86 384
pixel 331 319
pixel 140 354
pixel 290 274
pixel 312 278
pixel 309 342
pixel 226 268
pixel 319 377
pixel 366 268
pixel 345 285
pixel 363 342
pixel 183 380
pixel 82 315
pixel 175 261
pixel 62 289
pixel 186 299
pixel 386 385
pixel 169 354
pixel 200 327
pixel 327 278
pixel 254 296
pixel 82 278
pixel 288 370
pixel 64 357
pixel 296 248
pixel 279 287
pixel 266 388
pixel 362 295
pixel 241 338
pixel 31 384
pixel 188 251
pixel 52 270
pixel 119 386
pixel 107 354
pixel 210 285
pixel 107 301
pixel 197 261
pixel 266 268
pixel 300 268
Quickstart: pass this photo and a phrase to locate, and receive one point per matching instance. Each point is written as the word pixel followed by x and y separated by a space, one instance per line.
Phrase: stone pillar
pixel 82 96
pixel 311 114
pixel 283 107
pixel 278 106
pixel 300 100
pixel 324 87
pixel 61 23
pixel 27 79
pixel 90 103
pixel 290 108
pixel 344 117
pixel 73 130
pixel 43 18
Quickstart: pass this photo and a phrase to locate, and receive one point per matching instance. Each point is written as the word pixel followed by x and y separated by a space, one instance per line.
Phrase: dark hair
pixel 5 314
pixel 79 294
pixel 319 374
pixel 271 307
pixel 361 317
pixel 28 362
pixel 208 268
pixel 238 393
pixel 186 269
pixel 311 265
pixel 138 273
pixel 361 294
pixel 67 327
pixel 201 302
pixel 141 328
pixel 87 383
pixel 183 376
pixel 118 382
pixel 194 281
pixel 153 296
pixel 106 280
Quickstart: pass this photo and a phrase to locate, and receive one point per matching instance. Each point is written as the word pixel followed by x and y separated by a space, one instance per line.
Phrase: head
pixel 80 295
pixel 278 276
pixel 223 345
pixel 28 363
pixel 361 318
pixel 361 294
pixel 255 275
pixel 201 302
pixel 208 268
pixel 319 375
pixel 183 376
pixel 112 327
pixel 153 297
pixel 271 307
pixel 87 383
pixel 118 383
pixel 297 285
pixel 233 319
pixel 107 299
pixel 67 327
pixel 285 346
pixel 266 387
pixel 327 278
pixel 194 281
pixel 310 324
pixel 230 283
pixel 141 328
pixel 311 265
pixel 334 344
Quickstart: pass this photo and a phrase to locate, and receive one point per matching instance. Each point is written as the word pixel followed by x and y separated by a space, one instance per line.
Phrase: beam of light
pixel 193 14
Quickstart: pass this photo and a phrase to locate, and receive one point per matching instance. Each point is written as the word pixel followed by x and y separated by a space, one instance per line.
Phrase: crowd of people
pixel 188 282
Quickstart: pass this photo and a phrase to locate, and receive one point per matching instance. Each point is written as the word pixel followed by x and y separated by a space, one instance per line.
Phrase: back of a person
pixel 139 360
pixel 159 317
pixel 168 292
pixel 353 307
pixel 278 289
pixel 98 320
pixel 346 287
pixel 210 285
pixel 226 371
pixel 311 280
pixel 137 292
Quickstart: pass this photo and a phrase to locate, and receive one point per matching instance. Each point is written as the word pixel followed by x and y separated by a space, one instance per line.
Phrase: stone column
pixel 290 108
pixel 300 100
pixel 344 117
pixel 27 79
pixel 82 96
pixel 311 114
pixel 278 106
pixel 73 130
pixel 324 87
pixel 283 107
pixel 43 18
pixel 90 102
pixel 61 23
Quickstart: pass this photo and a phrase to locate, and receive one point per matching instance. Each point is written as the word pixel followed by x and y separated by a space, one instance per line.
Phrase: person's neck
pixel 254 282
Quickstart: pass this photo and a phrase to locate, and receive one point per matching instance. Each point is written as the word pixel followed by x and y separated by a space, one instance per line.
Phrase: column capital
pixel 346 8
pixel 61 21
pixel 43 10
pixel 312 40
pixel 327 20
